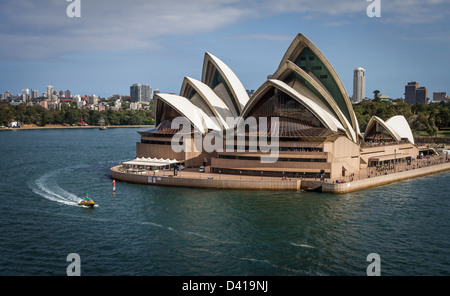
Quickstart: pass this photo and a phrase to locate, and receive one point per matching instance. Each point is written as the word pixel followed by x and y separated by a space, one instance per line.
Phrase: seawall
pixel 384 179
pixel 274 184
pixel 255 184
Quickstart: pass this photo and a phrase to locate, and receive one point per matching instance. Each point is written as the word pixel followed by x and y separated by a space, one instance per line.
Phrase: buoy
pixel 114 185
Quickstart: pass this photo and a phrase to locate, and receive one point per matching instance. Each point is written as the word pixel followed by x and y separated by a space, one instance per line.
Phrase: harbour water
pixel 151 230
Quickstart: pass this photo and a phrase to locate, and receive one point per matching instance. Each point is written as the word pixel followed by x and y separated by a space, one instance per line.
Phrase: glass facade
pixel 165 115
pixel 309 62
pixel 295 120
pixel 216 80
pixel 294 76
pixel 377 133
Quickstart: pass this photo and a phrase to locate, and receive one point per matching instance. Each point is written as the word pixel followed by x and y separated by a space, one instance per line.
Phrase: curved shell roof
pixel 234 85
pixel 401 126
pixel 215 104
pixel 397 126
pixel 305 54
pixel 326 118
pixel 317 92
pixel 304 74
pixel 198 118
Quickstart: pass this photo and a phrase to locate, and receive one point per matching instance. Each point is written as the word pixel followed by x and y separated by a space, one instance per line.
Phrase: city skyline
pixel 114 44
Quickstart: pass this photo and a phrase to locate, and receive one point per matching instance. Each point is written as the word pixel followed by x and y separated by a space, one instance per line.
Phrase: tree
pixel 43 119
pixel 376 94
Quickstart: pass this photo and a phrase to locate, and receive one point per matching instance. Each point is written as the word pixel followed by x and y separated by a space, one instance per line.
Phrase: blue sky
pixel 117 43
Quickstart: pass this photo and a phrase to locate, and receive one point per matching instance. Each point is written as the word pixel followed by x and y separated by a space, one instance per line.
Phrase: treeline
pixel 421 117
pixel 430 118
pixel 41 116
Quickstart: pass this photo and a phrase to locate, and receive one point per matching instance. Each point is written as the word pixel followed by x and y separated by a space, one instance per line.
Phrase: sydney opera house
pixel 316 129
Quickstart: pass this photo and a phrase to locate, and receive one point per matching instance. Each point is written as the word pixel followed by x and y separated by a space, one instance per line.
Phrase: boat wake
pixel 47 187
pixel 302 245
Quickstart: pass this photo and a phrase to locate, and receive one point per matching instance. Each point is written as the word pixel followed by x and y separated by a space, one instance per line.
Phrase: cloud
pixel 41 29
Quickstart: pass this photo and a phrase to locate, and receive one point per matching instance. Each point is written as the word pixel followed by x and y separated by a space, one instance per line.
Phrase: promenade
pixel 367 178
pixel 194 178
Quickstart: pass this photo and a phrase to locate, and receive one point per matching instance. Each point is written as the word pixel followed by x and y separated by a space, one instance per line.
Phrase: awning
pixel 151 161
pixel 386 157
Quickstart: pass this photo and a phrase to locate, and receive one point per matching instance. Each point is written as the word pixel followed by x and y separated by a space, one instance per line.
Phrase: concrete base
pixel 384 179
pixel 267 183
pixel 254 183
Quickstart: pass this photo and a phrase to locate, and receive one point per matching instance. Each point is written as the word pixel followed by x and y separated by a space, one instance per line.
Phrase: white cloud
pixel 38 29
pixel 42 28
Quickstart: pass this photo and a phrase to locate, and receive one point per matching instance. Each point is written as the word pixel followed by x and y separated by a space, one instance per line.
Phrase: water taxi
pixel 87 202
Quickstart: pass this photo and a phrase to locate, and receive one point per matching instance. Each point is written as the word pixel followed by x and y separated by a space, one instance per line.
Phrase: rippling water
pixel 146 230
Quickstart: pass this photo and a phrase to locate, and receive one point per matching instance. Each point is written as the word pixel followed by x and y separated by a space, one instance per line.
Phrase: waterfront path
pixel 369 177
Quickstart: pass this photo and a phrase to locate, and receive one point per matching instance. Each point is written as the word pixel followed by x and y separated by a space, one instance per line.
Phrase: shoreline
pixel 68 127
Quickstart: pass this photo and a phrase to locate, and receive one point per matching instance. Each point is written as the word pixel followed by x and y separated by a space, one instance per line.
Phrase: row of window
pixel 260 158
pixel 157 142
pixel 288 149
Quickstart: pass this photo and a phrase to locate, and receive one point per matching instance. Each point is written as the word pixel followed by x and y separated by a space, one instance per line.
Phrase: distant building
pixel 359 85
pixel 440 97
pixel 135 106
pixel 250 92
pixel 34 94
pixel 67 94
pixel 25 94
pixel 49 92
pixel 140 93
pixel 155 92
pixel 415 94
pixel 44 104
pixel 422 95
pixel 93 100
pixel 118 104
pixel 410 92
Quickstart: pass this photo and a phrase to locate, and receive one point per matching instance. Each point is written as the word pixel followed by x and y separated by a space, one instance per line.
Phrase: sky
pixel 114 44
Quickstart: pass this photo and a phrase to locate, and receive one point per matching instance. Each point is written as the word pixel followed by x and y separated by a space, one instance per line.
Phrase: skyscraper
pixel 415 94
pixel 359 85
pixel 140 93
pixel 25 94
pixel 422 95
pixel 49 92
pixel 34 93
pixel 410 92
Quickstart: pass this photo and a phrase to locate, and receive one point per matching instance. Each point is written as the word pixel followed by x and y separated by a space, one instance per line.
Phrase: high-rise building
pixel 49 92
pixel 140 93
pixel 67 94
pixel 415 94
pixel 359 85
pixel 422 95
pixel 410 92
pixel 34 94
pixel 25 94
